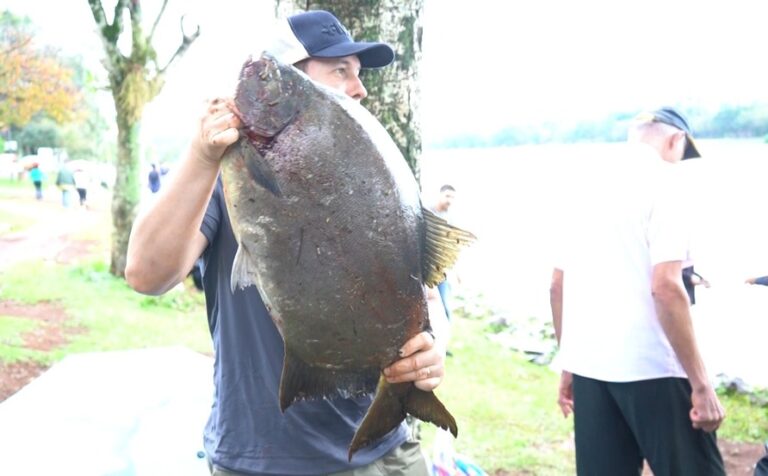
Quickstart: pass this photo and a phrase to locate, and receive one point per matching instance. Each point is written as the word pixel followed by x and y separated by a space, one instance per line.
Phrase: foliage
pixel 89 137
pixel 41 132
pixel 33 80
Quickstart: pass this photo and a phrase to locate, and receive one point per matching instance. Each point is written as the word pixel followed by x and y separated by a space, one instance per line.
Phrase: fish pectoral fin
pixel 300 381
pixel 243 269
pixel 259 169
pixel 389 408
pixel 443 242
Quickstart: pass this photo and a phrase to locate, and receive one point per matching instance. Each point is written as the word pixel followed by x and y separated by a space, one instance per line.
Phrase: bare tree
pixel 394 92
pixel 134 79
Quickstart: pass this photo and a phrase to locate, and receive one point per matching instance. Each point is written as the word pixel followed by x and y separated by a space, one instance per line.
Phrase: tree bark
pixel 125 195
pixel 393 92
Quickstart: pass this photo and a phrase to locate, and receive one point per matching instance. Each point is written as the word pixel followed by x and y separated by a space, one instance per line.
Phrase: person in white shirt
pixel 442 209
pixel 632 373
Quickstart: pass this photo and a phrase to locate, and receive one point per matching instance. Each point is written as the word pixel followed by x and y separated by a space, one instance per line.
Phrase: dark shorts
pixel 617 425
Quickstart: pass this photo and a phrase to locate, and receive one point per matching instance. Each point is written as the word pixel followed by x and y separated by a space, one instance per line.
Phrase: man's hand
pixel 422 362
pixel 707 413
pixel 218 129
pixel 565 394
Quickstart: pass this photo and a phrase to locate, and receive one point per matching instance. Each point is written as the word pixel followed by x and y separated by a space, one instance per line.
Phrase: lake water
pixel 509 197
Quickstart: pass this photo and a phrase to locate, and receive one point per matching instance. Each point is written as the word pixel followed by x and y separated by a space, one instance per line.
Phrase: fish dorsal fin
pixel 443 242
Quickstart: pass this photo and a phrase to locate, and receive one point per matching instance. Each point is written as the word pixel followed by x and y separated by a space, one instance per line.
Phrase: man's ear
pixel 676 140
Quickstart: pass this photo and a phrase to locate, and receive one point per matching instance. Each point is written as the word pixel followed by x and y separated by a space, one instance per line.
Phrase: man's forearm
pixel 674 315
pixel 161 249
pixel 556 302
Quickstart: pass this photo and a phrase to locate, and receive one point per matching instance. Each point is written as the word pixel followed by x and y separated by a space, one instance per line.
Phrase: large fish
pixel 331 230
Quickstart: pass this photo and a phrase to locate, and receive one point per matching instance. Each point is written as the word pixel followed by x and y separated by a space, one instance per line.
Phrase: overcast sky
pixel 487 63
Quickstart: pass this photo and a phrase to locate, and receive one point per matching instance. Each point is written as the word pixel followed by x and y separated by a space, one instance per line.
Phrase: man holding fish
pixel 255 428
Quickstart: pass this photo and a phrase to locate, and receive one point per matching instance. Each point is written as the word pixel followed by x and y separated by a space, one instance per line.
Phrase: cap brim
pixel 691 152
pixel 371 55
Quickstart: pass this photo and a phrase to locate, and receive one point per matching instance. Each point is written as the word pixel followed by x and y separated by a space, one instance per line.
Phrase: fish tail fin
pixel 300 381
pixel 243 269
pixel 389 408
pixel 443 242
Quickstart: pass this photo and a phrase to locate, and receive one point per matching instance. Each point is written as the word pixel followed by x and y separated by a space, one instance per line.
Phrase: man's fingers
pixel 708 423
pixel 216 104
pixel 225 137
pixel 422 341
pixel 410 372
pixel 427 385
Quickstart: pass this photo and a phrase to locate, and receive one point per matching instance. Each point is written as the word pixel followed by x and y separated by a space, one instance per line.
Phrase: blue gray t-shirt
pixel 246 432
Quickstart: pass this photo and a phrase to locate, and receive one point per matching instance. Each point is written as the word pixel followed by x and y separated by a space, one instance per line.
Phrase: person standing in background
pixel 763 280
pixel 81 179
pixel 36 176
pixel 691 279
pixel 66 183
pixel 633 376
pixel 154 179
pixel 441 209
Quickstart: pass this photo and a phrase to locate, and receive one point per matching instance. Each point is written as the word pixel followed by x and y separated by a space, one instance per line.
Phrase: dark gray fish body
pixel 330 228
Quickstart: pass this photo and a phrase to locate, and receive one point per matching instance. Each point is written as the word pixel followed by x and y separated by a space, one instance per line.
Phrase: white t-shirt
pixel 623 215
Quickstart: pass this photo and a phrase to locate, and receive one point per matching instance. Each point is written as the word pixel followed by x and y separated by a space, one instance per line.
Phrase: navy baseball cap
pixel 319 34
pixel 668 115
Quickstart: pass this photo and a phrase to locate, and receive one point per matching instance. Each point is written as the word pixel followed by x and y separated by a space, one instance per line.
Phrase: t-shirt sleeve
pixel 669 226
pixel 212 218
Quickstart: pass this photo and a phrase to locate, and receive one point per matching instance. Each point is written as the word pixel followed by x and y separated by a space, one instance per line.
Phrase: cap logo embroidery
pixel 332 29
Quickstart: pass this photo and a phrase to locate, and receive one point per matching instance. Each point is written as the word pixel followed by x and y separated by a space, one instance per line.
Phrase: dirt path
pixel 54 233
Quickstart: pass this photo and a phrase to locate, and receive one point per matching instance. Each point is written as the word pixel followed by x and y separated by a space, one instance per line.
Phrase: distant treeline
pixel 732 121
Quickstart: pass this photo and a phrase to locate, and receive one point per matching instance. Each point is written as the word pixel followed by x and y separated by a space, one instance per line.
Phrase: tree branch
pixel 157 20
pixel 117 21
pixel 137 33
pixel 109 33
pixel 186 42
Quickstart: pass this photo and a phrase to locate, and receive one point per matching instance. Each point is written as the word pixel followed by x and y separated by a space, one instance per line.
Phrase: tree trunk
pixel 134 80
pixel 125 195
pixel 393 92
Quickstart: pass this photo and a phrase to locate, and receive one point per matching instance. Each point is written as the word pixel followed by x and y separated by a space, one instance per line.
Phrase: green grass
pixel 6 183
pixel 11 342
pixel 746 420
pixel 505 406
pixel 13 222
pixel 114 316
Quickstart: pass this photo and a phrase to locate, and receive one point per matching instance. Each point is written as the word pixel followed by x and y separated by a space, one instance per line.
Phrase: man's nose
pixel 356 90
